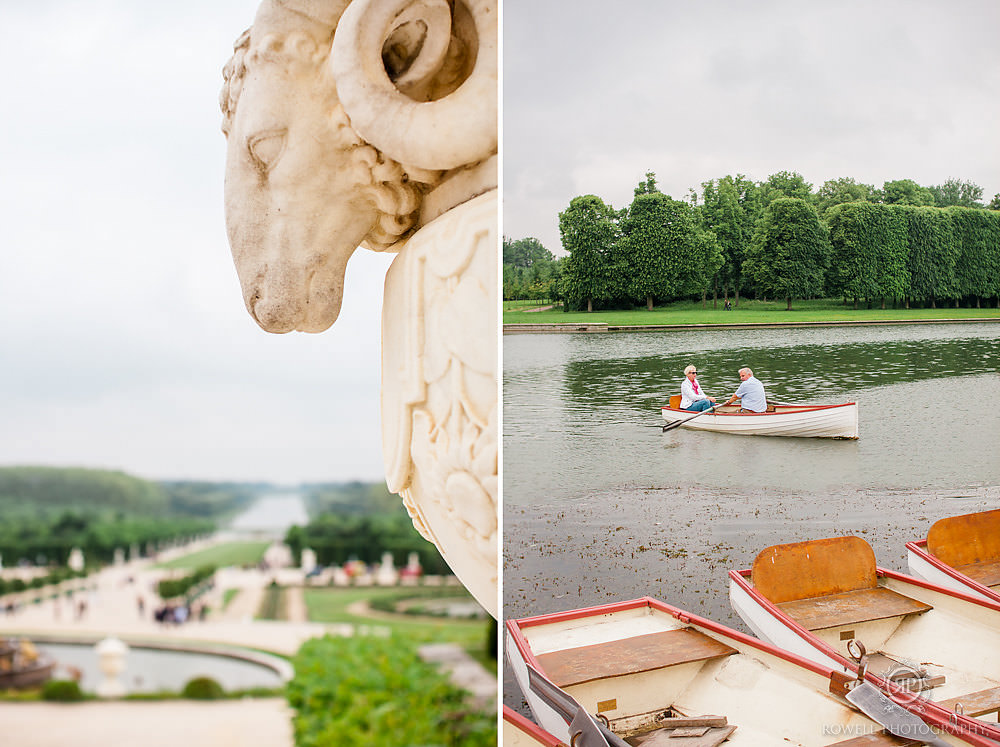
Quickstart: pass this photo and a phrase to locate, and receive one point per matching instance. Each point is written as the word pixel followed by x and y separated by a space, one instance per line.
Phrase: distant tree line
pixel 530 271
pixel 48 539
pixel 775 239
pixel 32 490
pixel 355 498
pixel 47 511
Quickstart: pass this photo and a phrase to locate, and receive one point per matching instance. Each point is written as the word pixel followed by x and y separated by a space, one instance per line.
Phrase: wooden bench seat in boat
pixel 642 653
pixel 828 583
pixel 970 544
pixel 850 608
pixel 976 704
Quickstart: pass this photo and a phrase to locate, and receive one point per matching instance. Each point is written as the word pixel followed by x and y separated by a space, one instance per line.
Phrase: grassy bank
pixel 335 606
pixel 229 553
pixel 749 312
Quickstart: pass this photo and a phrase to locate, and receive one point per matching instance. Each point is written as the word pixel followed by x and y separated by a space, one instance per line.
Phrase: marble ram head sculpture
pixel 340 116
pixel 373 123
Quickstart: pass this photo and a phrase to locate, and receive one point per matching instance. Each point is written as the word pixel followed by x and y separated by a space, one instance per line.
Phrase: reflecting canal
pixel 581 411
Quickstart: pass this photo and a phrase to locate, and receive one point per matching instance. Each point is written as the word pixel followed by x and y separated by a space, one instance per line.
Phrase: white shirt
pixel 688 394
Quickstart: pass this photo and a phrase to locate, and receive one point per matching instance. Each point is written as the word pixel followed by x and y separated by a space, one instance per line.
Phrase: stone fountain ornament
pixel 111 653
pixel 373 124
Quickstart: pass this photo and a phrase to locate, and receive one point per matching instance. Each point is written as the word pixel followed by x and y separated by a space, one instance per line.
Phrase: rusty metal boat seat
pixel 970 544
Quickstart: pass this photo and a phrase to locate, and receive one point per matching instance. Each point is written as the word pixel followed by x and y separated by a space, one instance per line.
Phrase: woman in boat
pixel 750 393
pixel 693 398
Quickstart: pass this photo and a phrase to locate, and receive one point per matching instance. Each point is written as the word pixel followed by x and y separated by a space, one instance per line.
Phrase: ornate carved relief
pixel 439 388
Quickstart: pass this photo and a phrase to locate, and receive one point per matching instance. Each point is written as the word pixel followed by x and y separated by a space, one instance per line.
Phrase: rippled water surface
pixel 581 411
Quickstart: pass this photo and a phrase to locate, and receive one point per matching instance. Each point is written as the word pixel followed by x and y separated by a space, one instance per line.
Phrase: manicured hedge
pixel 377 692
pixel 169 588
pixel 921 253
pixel 977 270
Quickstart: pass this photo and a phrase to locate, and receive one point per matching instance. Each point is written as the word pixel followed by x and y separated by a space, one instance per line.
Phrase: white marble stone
pixel 75 561
pixel 373 123
pixel 111 653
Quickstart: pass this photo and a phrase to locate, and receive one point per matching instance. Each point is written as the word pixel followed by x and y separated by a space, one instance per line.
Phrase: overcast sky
pixel 596 94
pixel 124 342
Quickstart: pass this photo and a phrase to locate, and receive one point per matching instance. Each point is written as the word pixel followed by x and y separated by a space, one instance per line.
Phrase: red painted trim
pixel 805 408
pixel 964 726
pixel 919 549
pixel 931 586
pixel 530 727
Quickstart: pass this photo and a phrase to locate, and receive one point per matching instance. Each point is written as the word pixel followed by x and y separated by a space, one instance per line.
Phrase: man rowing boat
pixel 750 393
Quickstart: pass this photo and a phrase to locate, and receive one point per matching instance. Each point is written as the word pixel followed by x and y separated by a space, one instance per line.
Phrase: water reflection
pixel 151 670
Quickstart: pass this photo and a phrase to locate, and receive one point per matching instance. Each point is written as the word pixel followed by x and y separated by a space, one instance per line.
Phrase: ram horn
pixel 418 117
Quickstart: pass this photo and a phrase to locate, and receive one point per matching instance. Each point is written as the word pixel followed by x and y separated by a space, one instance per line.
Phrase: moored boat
pixel 962 553
pixel 651 674
pixel 519 731
pixel 935 647
pixel 781 419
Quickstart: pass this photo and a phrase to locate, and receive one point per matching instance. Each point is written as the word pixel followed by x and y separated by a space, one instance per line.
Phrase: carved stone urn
pixel 373 123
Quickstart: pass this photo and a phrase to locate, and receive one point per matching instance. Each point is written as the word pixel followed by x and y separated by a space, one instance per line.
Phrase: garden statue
pixel 373 123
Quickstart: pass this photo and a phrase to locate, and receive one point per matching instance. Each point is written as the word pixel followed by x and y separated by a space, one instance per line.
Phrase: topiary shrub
pixel 203 688
pixel 64 691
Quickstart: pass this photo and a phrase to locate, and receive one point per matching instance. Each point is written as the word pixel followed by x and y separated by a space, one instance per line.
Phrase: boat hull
pixel 799 421
pixel 771 696
pixel 952 608
pixel 923 565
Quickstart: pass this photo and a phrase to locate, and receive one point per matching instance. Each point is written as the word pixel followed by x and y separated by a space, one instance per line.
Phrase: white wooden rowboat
pixel 814 598
pixel 781 419
pixel 962 553
pixel 645 669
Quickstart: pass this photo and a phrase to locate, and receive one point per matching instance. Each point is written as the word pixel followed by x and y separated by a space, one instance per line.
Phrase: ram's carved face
pixel 307 182
pixel 296 208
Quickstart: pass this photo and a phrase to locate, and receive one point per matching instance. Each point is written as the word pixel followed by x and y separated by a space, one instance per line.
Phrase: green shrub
pixel 64 691
pixel 203 688
pixel 379 693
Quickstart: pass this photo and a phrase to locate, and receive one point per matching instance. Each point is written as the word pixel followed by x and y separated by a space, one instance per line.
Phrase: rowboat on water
pixel 781 419
pixel 919 641
pixel 962 553
pixel 651 674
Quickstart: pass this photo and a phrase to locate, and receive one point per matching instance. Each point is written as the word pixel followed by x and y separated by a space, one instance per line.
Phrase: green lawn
pixel 330 606
pixel 229 553
pixel 689 312
pixel 516 305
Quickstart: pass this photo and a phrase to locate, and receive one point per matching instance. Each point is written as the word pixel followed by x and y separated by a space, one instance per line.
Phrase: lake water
pixel 600 505
pixel 272 514
pixel 581 411
pixel 152 670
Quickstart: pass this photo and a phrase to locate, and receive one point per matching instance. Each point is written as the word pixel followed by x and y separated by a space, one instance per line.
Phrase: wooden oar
pixel 678 423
